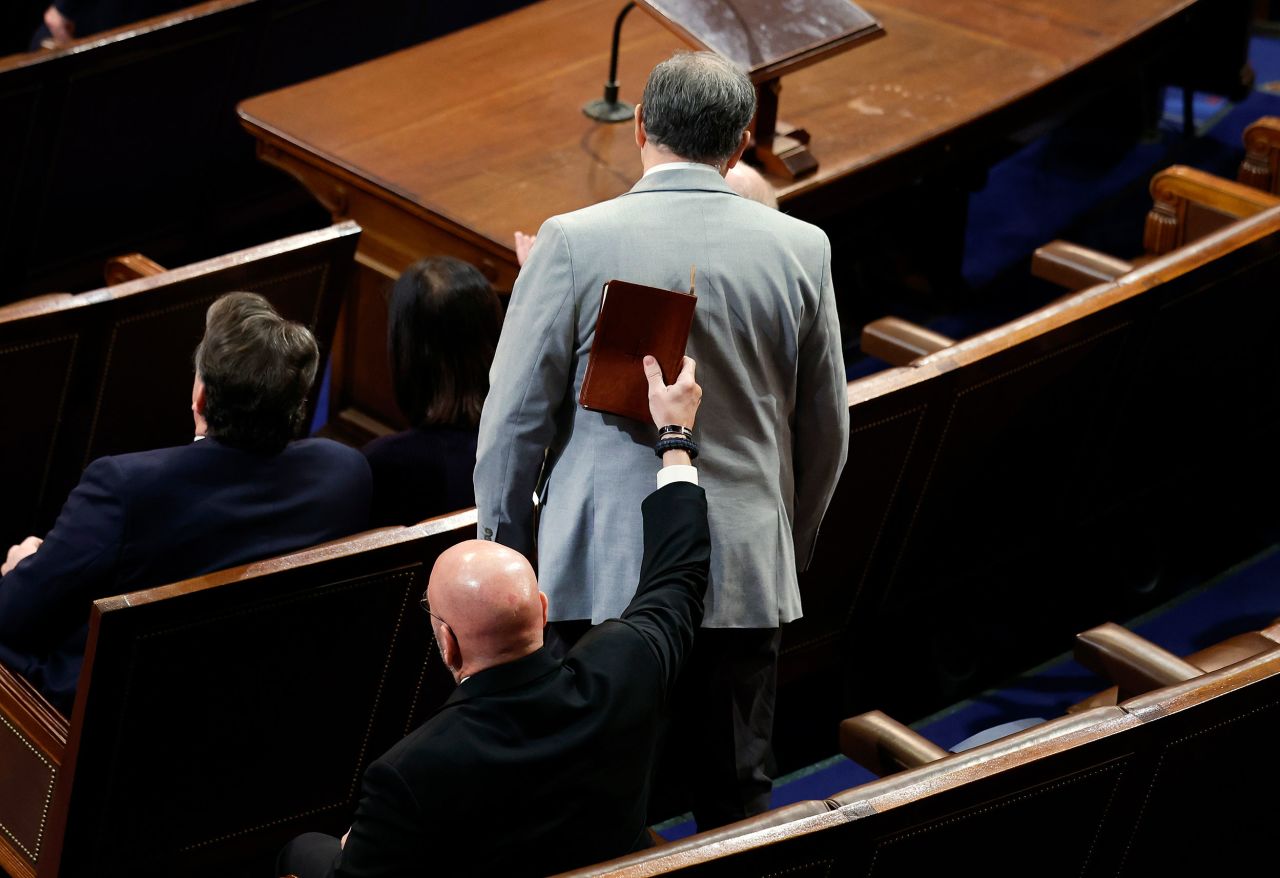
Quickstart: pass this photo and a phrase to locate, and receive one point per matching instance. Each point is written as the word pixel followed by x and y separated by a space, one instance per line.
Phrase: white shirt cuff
pixel 677 473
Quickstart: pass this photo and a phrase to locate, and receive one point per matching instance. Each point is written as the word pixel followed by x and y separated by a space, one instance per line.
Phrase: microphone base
pixel 609 111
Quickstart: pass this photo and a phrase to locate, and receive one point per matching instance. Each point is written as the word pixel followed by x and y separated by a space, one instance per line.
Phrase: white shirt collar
pixel 673 166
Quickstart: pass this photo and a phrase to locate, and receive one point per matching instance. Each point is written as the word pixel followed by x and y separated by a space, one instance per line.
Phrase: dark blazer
pixel 420 473
pixel 147 519
pixel 542 765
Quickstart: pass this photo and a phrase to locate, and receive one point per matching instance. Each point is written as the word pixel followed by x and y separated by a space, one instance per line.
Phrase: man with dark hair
pixel 241 492
pixel 775 430
pixel 538 762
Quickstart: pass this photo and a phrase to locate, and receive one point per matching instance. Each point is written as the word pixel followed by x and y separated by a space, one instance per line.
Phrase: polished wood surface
pixel 767 38
pixel 481 132
pixel 450 146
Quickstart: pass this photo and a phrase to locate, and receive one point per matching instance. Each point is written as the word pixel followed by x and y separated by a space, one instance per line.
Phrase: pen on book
pixel 693 271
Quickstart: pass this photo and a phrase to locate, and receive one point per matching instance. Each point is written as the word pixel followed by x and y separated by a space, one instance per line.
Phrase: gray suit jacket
pixel 773 426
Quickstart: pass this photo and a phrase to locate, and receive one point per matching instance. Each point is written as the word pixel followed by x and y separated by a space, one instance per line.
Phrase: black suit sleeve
pixel 667 608
pixel 388 831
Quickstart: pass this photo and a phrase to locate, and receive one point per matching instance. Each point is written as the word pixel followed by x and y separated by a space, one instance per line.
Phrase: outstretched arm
pixel 667 608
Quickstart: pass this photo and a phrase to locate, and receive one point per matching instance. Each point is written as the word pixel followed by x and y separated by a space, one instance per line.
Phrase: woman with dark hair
pixel 442 328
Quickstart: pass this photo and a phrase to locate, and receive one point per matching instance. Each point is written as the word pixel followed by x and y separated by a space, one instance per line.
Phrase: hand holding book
pixel 635 321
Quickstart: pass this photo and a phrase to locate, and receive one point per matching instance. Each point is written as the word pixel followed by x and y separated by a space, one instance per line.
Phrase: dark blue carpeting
pixel 1084 183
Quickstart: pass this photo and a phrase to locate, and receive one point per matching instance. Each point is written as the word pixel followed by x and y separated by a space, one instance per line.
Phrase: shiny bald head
pixel 487 606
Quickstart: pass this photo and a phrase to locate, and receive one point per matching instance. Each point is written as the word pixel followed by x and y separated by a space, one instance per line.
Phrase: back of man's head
pixel 696 105
pixel 486 606
pixel 256 368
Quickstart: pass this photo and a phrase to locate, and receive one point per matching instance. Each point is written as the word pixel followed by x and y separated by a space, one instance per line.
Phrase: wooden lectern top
pixel 767 38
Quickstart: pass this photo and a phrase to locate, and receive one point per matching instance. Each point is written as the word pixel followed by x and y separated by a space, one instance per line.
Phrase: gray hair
pixel 697 104
pixel 256 368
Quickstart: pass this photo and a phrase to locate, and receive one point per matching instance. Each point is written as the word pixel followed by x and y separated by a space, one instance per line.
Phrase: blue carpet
pixel 1084 184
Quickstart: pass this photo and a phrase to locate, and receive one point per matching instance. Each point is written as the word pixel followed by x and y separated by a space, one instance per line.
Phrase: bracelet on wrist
pixel 675 430
pixel 662 446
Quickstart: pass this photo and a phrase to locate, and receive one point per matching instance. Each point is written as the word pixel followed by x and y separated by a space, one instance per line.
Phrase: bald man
pixel 536 764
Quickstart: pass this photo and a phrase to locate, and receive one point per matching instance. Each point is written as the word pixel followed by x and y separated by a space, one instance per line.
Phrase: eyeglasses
pixel 426 608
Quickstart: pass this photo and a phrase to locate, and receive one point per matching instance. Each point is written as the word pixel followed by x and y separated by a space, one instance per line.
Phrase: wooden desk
pixel 451 145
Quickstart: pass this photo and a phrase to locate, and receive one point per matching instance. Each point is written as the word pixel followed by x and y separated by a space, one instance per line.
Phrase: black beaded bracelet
pixel 662 446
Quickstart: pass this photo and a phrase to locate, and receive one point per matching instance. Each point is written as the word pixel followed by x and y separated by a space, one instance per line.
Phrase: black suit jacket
pixel 542 765
pixel 146 519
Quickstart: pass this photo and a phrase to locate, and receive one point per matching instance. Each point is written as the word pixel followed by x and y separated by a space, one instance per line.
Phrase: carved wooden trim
pixel 1174 188
pixel 1160 235
pixel 1261 165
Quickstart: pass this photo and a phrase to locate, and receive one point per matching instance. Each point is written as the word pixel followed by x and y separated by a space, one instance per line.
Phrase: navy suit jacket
pixel 141 520
pixel 420 473
pixel 541 764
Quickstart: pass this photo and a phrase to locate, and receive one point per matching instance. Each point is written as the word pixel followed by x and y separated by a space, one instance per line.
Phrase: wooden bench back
pixel 885 421
pixel 128 140
pixel 110 371
pixel 1060 464
pixel 1167 781
pixel 125 140
pixel 1202 801
pixel 220 716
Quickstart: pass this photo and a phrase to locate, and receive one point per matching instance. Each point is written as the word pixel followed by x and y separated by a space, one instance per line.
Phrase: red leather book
pixel 634 320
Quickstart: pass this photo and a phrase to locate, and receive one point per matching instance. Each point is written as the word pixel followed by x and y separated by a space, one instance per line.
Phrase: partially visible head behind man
pixel 697 105
pixel 749 183
pixel 486 606
pixel 442 330
pixel 256 368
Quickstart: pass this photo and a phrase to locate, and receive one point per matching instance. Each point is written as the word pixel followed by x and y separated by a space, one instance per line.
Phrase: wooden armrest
pixel 1174 188
pixel 131 266
pixel 1207 660
pixel 1074 267
pixel 1272 632
pixel 1261 155
pixel 898 341
pixel 1134 664
pixel 883 745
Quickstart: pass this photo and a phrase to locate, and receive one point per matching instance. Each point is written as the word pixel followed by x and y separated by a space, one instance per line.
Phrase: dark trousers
pixel 718 749
pixel 310 855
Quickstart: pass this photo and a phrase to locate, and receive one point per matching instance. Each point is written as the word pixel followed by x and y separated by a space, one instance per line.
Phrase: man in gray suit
pixel 766 338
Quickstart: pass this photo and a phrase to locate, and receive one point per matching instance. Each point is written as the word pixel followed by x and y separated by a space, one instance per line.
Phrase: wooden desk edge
pixel 284 152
